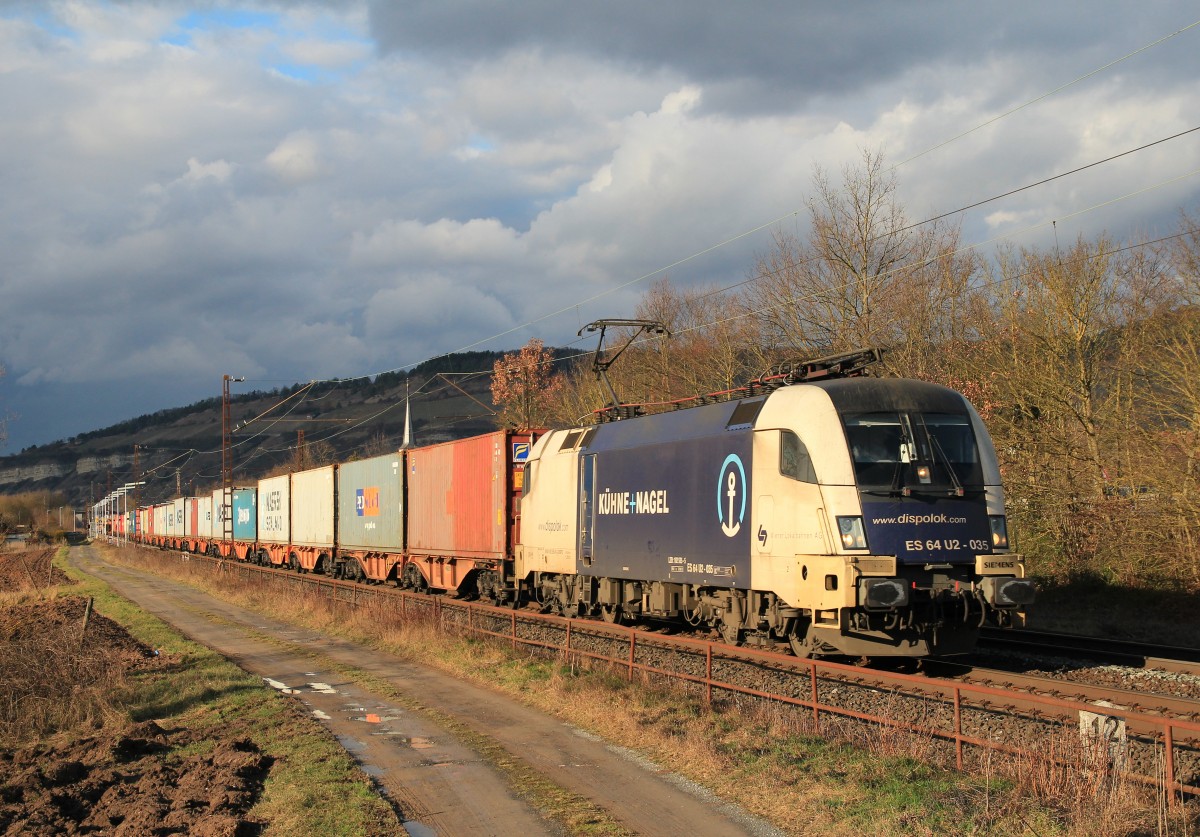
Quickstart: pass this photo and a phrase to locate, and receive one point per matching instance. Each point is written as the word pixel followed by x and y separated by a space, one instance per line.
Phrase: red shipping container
pixel 460 496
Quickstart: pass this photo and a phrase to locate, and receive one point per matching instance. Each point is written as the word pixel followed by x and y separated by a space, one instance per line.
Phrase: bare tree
pixel 865 276
pixel 713 344
pixel 524 386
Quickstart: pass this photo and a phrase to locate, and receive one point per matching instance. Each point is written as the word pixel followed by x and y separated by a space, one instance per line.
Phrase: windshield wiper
pixel 935 448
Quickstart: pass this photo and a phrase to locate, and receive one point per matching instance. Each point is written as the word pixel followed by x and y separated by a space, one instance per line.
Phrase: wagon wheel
pixel 414 580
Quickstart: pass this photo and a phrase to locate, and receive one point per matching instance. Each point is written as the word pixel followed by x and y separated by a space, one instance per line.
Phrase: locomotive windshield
pixel 913 452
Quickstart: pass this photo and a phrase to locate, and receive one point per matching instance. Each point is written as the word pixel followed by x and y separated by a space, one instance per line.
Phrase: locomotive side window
pixel 570 439
pixel 794 460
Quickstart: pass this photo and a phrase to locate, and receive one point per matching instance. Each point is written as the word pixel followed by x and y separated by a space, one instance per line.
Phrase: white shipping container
pixel 274 509
pixel 177 511
pixel 313 507
pixel 160 519
pixel 204 517
pixel 218 526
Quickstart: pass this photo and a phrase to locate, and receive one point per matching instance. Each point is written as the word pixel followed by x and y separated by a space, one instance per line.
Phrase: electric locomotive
pixel 841 515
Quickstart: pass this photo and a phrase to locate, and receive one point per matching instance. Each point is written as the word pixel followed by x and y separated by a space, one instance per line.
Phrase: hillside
pixel 180 448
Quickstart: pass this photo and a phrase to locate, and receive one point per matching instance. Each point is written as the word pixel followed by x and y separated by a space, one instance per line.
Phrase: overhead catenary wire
pixel 725 242
pixel 798 298
pixel 795 212
pixel 1047 94
pixel 302 392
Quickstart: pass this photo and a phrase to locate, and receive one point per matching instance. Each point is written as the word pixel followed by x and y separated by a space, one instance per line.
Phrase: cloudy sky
pixel 304 190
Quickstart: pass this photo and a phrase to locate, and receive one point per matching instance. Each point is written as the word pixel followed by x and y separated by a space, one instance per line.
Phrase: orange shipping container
pixel 461 501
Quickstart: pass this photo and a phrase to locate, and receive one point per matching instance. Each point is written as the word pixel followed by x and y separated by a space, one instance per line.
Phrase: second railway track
pixel 990 710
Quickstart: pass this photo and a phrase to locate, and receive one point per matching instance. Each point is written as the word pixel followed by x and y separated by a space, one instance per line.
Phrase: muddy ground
pixel 132 781
pixel 92 770
pixel 30 569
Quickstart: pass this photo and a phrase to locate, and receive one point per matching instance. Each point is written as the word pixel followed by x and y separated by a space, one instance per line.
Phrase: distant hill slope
pixel 181 447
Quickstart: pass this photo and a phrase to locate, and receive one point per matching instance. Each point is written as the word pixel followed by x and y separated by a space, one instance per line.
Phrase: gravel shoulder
pixel 439 783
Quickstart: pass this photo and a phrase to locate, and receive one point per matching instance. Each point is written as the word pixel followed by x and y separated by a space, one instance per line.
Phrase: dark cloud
pixel 767 56
pixel 364 185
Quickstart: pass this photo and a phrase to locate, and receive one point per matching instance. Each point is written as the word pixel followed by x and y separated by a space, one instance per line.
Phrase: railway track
pixel 1136 700
pixel 1021 685
pixel 965 708
pixel 1100 649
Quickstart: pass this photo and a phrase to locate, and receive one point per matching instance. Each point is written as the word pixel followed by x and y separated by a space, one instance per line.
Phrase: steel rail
pixel 1184 708
pixel 1172 734
pixel 1121 652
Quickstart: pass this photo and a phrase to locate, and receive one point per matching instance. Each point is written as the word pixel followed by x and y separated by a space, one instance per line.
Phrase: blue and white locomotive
pixel 844 516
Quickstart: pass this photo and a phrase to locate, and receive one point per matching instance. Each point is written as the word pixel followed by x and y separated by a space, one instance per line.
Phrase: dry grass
pixel 853 778
pixel 50 679
pixel 50 682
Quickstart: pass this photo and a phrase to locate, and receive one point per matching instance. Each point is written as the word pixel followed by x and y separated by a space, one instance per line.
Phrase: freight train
pixel 839 515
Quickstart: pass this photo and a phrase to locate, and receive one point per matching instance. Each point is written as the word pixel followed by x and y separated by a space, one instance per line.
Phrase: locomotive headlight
pixel 923 474
pixel 999 531
pixel 851 531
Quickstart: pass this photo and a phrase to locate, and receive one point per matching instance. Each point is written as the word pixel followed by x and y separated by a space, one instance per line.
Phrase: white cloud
pixel 180 209
pixel 296 159
pixel 479 241
pixel 327 54
pixel 682 101
pixel 218 170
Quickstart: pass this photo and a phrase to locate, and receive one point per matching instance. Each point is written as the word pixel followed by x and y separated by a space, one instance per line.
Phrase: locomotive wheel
pixel 612 614
pixel 732 634
pixel 798 641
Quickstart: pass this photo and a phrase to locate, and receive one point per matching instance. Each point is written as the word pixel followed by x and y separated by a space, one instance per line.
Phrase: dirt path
pixel 440 784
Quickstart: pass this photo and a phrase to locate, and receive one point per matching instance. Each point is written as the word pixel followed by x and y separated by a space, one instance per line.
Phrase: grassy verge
pixel 850 780
pixel 314 787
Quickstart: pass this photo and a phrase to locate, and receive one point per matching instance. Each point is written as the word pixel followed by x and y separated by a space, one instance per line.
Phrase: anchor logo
pixel 731 495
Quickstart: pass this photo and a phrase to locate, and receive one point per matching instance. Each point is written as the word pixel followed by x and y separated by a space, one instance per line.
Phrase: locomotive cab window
pixel 913 450
pixel 794 460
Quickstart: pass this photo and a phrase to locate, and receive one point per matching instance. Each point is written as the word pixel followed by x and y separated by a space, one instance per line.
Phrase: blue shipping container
pixel 245 514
